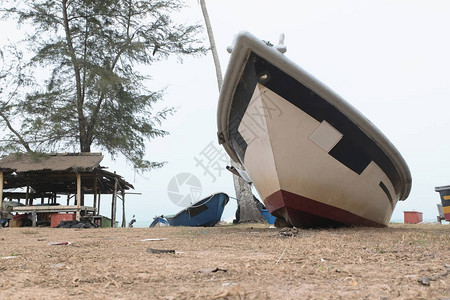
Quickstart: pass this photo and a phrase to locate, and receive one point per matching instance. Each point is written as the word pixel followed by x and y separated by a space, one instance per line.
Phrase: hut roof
pixel 20 162
pixel 57 173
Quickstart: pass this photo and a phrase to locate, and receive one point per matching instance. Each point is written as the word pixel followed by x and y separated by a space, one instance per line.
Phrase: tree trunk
pixel 248 212
pixel 84 145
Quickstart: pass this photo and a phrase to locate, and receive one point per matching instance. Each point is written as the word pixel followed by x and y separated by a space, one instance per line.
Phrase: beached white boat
pixel 313 158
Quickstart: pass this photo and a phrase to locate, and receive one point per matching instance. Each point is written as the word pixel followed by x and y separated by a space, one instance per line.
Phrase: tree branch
pixel 16 133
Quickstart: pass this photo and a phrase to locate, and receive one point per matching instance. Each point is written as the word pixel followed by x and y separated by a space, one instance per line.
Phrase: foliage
pixel 13 78
pixel 94 96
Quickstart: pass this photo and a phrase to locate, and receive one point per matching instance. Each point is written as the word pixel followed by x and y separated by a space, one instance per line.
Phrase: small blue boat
pixel 268 216
pixel 206 212
pixel 159 222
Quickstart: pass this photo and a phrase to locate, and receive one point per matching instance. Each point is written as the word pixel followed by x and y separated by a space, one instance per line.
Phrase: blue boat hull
pixel 268 216
pixel 159 221
pixel 206 212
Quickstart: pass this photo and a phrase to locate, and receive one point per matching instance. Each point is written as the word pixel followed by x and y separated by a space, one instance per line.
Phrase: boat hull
pixel 159 222
pixel 206 212
pixel 300 211
pixel 444 192
pixel 314 160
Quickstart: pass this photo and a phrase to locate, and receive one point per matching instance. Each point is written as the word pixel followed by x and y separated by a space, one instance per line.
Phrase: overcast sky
pixel 389 59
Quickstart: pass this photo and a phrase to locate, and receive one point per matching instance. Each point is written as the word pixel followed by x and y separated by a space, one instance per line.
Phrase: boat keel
pixel 302 212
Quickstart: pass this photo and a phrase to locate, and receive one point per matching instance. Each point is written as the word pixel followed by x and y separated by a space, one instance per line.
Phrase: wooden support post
pixel 95 192
pixel 33 218
pixel 78 217
pixel 98 205
pixel 112 209
pixel 1 191
pixel 114 204
pixel 124 222
pixel 27 194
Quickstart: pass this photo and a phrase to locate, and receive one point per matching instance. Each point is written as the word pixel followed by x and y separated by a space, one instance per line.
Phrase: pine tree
pixel 94 97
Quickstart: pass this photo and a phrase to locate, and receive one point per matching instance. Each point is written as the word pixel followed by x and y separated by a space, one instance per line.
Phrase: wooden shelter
pixel 46 177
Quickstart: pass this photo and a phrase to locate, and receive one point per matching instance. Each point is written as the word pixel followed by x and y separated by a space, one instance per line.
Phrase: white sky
pixel 389 59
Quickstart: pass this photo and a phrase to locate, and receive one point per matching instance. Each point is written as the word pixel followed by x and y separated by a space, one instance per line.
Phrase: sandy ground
pixel 226 262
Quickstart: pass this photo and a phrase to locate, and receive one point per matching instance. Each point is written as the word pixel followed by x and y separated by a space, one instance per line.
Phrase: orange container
pixel 56 218
pixel 412 217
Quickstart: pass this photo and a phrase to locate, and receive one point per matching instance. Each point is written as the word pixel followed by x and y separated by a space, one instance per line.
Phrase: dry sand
pixel 229 262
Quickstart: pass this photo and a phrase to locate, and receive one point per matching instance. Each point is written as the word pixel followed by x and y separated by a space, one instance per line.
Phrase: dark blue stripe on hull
pixel 386 191
pixel 355 150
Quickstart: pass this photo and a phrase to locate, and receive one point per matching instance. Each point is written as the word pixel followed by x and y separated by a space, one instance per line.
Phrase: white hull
pixel 276 120
pixel 275 160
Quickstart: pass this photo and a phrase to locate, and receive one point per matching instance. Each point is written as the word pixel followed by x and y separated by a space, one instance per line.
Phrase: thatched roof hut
pixel 44 176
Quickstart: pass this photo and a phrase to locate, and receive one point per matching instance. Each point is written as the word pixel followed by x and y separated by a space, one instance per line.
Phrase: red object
pixel 19 217
pixel 305 212
pixel 57 218
pixel 412 217
pixel 60 243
